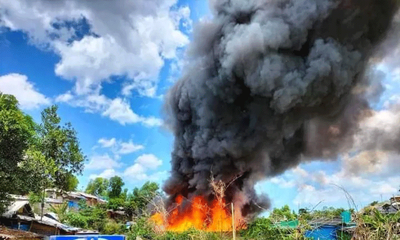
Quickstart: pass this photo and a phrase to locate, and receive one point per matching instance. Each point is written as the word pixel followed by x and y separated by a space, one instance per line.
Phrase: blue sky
pixel 108 67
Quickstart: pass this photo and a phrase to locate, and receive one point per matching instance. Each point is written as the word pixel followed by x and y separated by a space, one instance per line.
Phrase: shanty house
pixel 395 199
pixel 20 215
pixel 92 200
pixel 73 198
pixel 16 214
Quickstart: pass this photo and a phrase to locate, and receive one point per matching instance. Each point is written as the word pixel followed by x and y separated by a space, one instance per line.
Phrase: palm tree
pixel 61 211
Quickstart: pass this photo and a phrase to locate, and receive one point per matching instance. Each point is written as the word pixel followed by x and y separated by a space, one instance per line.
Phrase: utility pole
pixel 233 223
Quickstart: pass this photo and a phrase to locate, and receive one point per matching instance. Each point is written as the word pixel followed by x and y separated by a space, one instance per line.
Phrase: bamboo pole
pixel 233 223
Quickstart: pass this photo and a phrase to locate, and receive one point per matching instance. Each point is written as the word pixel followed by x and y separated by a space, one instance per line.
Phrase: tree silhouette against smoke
pixel 270 83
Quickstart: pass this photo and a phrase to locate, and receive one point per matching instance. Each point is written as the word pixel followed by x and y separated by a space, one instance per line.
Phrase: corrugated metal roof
pixel 92 196
pixel 54 223
pixel 49 222
pixel 19 197
pixel 387 209
pixel 75 195
pixel 14 207
pixel 54 201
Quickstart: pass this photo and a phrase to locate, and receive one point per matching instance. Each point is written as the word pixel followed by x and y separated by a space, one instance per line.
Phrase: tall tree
pixel 282 214
pixel 16 133
pixel 60 145
pixel 72 182
pixel 140 198
pixel 56 154
pixel 98 187
pixel 115 187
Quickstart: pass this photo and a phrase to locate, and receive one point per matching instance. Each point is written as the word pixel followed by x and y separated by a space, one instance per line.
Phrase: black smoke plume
pixel 270 83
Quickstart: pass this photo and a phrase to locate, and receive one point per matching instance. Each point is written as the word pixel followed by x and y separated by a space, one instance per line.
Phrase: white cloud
pixel 139 171
pixel 116 109
pixel 149 161
pixel 99 162
pixel 158 176
pixel 133 174
pixel 121 112
pixel 135 170
pixel 66 97
pixel 363 189
pixel 25 92
pixel 131 38
pixel 106 143
pixel 383 189
pixel 108 173
pixel 152 122
pixel 120 147
pixel 283 182
pixel 300 171
pixel 366 177
pixel 129 147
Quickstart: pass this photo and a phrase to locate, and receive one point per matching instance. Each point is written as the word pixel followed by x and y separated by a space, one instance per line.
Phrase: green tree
pixel 61 211
pixel 140 198
pixel 115 187
pixel 98 187
pixel 16 134
pixel 55 156
pixel 282 214
pixel 72 182
pixel 59 144
pixel 115 203
pixel 124 194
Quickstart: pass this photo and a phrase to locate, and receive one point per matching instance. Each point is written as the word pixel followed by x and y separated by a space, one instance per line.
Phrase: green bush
pixel 88 217
pixel 193 234
pixel 115 203
pixel 97 218
pixel 111 227
pixel 142 228
pixel 264 229
pixel 343 236
pixel 76 220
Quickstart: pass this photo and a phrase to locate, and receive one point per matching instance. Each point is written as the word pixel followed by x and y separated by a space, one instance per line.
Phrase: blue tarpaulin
pixel 89 237
pixel 325 232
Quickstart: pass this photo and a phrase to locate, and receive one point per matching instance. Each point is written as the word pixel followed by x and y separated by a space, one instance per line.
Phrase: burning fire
pixel 198 214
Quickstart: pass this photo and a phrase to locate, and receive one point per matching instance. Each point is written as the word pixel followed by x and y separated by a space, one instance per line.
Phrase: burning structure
pixel 270 83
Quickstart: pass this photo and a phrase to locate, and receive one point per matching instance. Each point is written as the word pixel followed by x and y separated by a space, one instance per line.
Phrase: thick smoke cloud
pixel 271 83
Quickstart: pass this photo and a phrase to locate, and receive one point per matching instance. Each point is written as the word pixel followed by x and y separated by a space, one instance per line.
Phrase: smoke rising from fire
pixel 270 83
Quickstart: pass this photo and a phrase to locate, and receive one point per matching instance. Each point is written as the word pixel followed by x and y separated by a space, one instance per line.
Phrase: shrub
pixel 97 218
pixel 141 228
pixel 193 234
pixel 264 229
pixel 111 227
pixel 115 203
pixel 76 220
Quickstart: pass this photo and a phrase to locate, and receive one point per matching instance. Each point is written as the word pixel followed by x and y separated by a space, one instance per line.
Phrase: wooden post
pixel 233 223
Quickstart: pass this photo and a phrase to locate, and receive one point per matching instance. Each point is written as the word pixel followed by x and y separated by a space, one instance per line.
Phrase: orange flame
pixel 197 214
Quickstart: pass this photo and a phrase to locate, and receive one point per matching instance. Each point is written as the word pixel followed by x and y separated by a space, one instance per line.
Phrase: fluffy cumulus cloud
pixel 98 40
pixel 363 184
pixel 116 109
pixel 140 170
pixel 106 143
pixel 144 168
pixel 120 147
pixel 108 173
pixel 100 162
pixel 149 161
pixel 25 92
